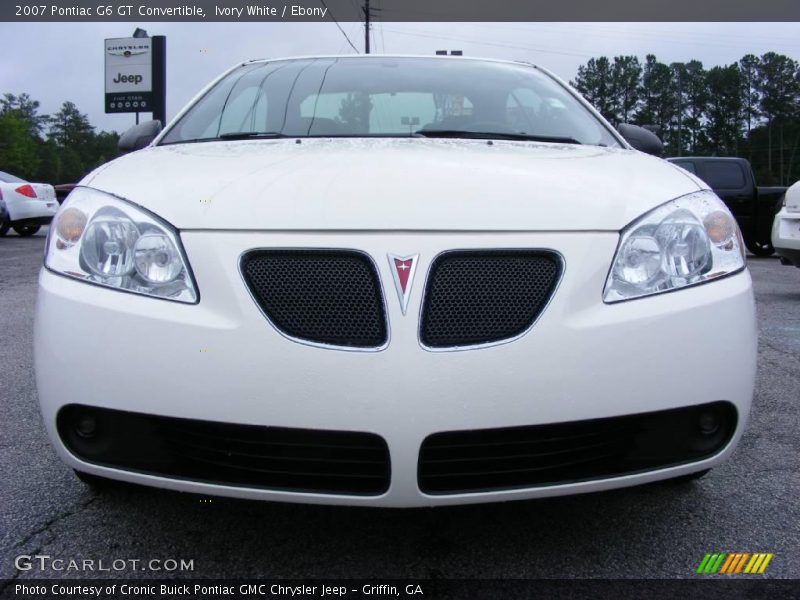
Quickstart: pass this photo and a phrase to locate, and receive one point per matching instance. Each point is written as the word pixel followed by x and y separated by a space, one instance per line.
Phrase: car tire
pixel 27 230
pixel 760 249
pixel 4 227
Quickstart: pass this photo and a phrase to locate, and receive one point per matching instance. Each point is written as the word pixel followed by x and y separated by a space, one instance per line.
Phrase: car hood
pixel 393 184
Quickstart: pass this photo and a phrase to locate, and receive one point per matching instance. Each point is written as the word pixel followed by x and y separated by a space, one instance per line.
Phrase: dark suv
pixel 732 180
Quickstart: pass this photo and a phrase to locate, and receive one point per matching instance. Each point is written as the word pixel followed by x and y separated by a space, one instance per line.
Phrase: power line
pixel 350 30
pixel 325 6
pixel 484 43
pixel 383 40
pixel 667 36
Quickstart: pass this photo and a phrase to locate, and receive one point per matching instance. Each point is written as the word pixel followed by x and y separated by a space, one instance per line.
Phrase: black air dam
pixel 269 458
pixel 487 460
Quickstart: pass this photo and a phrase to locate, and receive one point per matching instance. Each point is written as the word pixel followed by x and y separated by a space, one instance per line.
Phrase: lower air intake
pixel 274 458
pixel 521 457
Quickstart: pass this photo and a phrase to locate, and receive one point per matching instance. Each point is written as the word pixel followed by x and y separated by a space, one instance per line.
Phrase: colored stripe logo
pixel 733 563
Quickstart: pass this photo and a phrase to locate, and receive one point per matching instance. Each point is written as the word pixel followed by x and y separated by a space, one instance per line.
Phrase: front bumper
pixel 221 361
pixel 786 236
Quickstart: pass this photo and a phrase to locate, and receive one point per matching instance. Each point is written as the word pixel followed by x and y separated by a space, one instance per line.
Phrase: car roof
pixel 384 56
pixel 725 158
pixel 9 178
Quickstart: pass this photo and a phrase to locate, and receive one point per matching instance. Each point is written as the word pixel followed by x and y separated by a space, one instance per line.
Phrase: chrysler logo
pixel 126 52
pixel 403 268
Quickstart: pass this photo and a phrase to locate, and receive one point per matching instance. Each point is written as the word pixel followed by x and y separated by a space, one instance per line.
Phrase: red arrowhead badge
pixel 403 268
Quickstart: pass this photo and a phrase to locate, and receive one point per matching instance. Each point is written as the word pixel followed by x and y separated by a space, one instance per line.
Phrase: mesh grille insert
pixel 324 296
pixel 478 296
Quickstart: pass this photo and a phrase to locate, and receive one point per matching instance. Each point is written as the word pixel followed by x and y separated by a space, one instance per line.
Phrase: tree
pixel 727 110
pixel 625 87
pixel 72 147
pixel 18 148
pixel 692 97
pixel 658 105
pixel 27 110
pixel 594 83
pixel 724 112
pixel 354 111
pixel 748 69
pixel 779 88
pixel 73 135
pixel 69 127
pixel 104 148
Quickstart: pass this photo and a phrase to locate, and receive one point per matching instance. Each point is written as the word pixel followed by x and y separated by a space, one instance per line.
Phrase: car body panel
pixel 22 208
pixel 404 184
pixel 222 361
pixel 786 227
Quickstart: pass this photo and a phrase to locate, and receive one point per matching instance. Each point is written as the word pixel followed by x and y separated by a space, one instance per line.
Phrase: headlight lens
pixel 104 240
pixel 685 242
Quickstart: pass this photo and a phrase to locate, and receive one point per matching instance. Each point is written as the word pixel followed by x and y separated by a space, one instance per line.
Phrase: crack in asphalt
pixel 44 529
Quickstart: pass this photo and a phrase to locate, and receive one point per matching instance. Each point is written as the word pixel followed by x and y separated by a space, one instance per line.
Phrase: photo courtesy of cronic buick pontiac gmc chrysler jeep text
pixel 393 281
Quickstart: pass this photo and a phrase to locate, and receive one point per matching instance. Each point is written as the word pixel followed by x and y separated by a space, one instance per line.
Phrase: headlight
pixel 688 241
pixel 101 239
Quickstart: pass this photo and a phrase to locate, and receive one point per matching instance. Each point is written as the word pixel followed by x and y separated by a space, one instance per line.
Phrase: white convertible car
pixel 393 281
pixel 28 205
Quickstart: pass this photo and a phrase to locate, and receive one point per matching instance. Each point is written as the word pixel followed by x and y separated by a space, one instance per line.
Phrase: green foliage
pixel 354 111
pixel 18 148
pixel 724 110
pixel 750 108
pixel 625 75
pixel 26 110
pixel 658 105
pixel 594 83
pixel 61 148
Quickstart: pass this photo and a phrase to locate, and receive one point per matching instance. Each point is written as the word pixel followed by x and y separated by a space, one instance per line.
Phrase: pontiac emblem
pixel 403 268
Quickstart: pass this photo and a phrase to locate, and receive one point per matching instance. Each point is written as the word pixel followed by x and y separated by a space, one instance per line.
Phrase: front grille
pixel 539 455
pixel 275 458
pixel 330 297
pixel 478 297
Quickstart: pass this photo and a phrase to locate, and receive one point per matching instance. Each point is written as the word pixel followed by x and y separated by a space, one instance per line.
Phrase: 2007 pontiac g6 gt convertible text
pixel 393 281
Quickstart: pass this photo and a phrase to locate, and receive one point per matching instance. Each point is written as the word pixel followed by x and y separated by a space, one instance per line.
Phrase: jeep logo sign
pixel 134 79
pixel 129 65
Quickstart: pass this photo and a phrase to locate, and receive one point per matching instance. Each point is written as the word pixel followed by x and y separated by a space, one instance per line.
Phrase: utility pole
pixel 680 111
pixel 366 26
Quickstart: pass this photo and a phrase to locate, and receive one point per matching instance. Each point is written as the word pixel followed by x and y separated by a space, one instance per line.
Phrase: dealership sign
pixel 129 75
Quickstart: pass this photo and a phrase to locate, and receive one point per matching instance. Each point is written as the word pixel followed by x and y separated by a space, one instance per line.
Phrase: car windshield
pixel 389 97
pixel 9 178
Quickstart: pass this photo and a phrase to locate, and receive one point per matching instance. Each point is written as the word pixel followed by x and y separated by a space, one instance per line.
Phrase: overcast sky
pixel 54 62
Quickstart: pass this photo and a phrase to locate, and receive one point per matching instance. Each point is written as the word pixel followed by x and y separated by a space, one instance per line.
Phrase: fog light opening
pixel 709 423
pixel 86 426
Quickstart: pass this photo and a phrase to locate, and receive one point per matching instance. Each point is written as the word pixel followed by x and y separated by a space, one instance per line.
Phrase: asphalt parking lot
pixel 663 530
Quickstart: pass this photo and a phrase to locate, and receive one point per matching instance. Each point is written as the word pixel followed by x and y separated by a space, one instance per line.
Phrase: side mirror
pixel 139 136
pixel 641 139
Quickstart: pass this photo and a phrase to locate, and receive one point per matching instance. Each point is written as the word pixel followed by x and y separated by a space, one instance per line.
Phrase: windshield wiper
pixel 489 135
pixel 242 135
